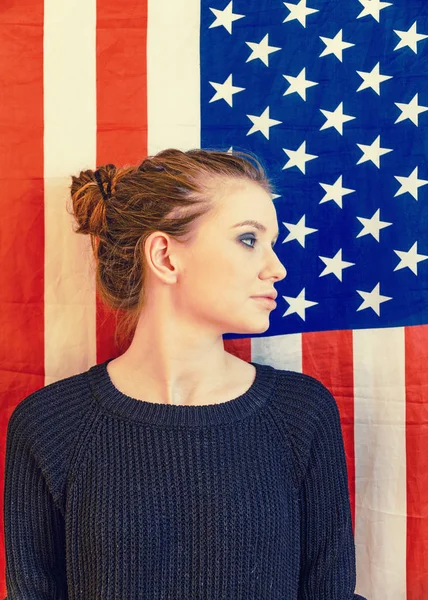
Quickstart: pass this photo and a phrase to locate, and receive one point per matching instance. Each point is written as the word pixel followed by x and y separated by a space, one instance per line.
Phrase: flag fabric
pixel 333 98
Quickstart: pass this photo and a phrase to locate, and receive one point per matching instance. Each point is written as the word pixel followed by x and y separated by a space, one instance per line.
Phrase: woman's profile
pixel 178 471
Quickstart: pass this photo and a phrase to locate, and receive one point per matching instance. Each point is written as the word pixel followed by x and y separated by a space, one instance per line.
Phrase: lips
pixel 272 296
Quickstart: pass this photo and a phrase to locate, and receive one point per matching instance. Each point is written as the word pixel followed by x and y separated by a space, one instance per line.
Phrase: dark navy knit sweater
pixel 110 497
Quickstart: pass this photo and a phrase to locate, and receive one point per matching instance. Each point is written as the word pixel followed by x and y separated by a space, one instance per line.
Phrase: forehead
pixel 244 203
pixel 237 198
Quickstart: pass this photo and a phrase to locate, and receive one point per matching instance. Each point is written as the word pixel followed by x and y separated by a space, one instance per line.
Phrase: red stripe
pixel 121 109
pixel 328 356
pixel 22 215
pixel 416 345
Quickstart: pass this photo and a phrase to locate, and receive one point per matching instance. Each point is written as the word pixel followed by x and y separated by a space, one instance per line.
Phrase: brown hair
pixel 167 192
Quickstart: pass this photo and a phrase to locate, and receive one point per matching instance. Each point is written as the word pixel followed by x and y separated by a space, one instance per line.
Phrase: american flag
pixel 332 97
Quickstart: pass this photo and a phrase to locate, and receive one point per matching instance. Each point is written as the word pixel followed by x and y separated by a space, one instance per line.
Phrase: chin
pixel 251 328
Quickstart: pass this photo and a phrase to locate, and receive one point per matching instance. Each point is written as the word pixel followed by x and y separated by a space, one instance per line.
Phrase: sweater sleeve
pixel 33 523
pixel 328 564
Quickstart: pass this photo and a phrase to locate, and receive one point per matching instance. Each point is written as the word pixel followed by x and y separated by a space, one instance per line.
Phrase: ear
pixel 160 257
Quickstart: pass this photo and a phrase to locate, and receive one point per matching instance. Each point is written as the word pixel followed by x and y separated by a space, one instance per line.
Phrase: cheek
pixel 219 274
pixel 204 275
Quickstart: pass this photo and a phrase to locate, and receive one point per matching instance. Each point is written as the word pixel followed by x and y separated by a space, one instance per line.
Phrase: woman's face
pixel 226 265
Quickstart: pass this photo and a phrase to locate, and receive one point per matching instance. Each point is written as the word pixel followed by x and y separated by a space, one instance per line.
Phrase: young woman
pixel 178 471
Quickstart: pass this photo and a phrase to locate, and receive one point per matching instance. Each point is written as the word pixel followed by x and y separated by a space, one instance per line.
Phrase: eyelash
pixel 254 239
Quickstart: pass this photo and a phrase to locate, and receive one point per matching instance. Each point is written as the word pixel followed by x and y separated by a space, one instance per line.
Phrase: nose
pixel 283 272
pixel 280 270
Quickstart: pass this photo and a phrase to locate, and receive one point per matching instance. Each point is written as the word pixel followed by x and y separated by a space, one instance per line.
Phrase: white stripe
pixel 69 145
pixel 279 351
pixel 173 80
pixel 380 462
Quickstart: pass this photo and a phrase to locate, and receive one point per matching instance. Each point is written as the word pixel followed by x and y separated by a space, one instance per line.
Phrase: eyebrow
pixel 255 224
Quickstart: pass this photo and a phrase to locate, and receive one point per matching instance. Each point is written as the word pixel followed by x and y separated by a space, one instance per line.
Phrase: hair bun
pixel 104 175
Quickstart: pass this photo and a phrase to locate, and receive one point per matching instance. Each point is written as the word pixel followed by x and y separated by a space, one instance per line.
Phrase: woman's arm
pixel 33 523
pixel 327 565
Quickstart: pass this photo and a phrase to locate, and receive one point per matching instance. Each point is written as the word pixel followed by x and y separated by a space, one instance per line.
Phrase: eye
pixel 253 239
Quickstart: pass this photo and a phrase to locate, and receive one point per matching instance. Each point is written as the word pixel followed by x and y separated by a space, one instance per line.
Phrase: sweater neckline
pixel 115 402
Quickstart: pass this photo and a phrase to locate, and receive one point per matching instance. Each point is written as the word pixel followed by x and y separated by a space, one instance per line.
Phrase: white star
pixel 299 84
pixel 335 45
pixel 372 299
pixel 410 259
pixel 225 91
pixel 299 11
pixel 261 50
pixel 225 17
pixel 298 158
pixel 410 110
pixel 372 79
pixel 373 8
pixel 298 232
pixel 335 265
pixel 410 184
pixel 262 123
pixel 335 191
pixel 409 38
pixel 335 119
pixel 298 304
pixel 373 152
pixel 373 225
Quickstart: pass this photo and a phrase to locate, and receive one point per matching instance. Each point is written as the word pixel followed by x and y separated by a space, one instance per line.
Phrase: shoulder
pixel 302 407
pixel 53 401
pixel 301 391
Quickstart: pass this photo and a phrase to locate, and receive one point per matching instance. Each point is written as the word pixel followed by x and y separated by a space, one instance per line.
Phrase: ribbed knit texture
pixel 110 497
